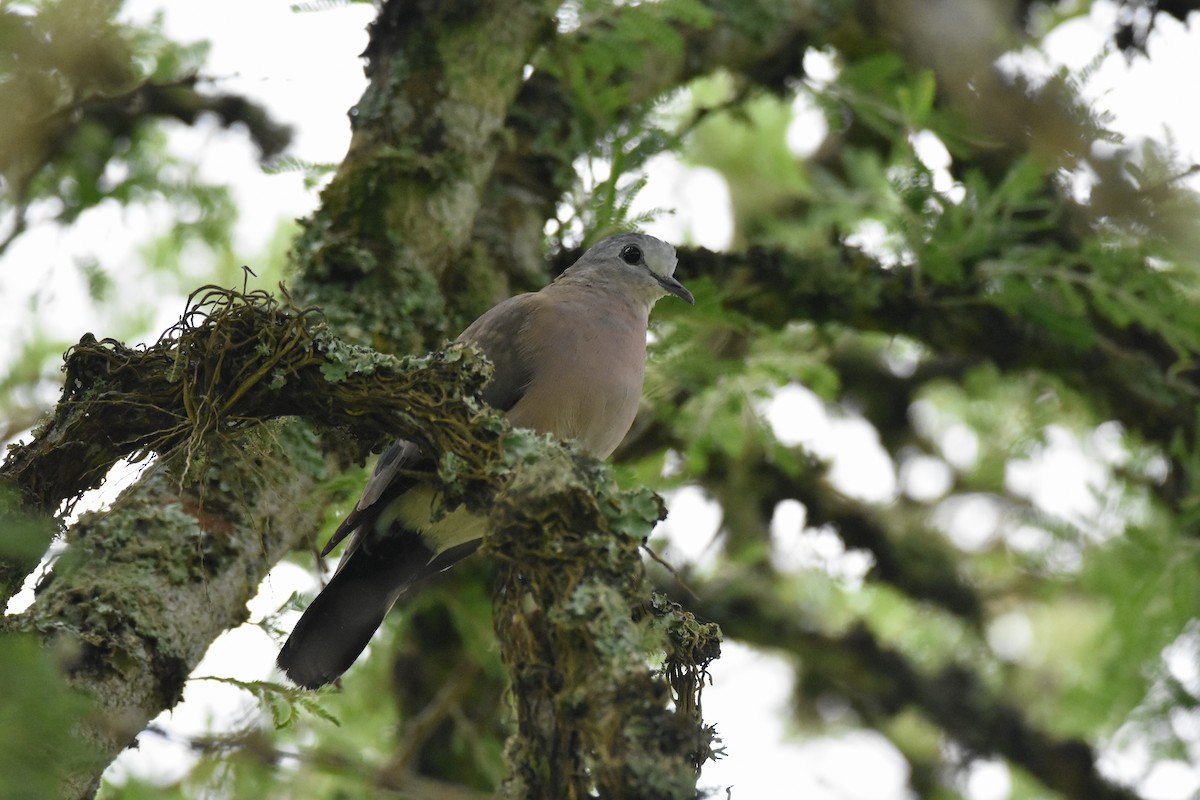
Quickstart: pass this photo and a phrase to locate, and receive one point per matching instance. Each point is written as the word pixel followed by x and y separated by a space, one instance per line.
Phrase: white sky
pixel 304 68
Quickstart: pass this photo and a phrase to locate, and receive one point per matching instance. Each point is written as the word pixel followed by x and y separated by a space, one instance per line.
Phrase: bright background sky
pixel 304 68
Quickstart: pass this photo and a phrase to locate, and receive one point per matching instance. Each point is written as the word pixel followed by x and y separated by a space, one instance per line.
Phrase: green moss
pixel 579 630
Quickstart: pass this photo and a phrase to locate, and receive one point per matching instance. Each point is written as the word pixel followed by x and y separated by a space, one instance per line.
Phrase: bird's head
pixel 642 264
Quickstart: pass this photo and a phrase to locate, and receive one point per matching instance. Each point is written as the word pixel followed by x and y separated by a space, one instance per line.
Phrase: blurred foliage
pixel 39 714
pixel 79 123
pixel 1012 321
pixel 1102 585
pixel 87 102
pixel 615 151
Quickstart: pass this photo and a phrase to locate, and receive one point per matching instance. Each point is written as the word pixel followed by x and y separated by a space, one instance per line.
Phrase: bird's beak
pixel 672 286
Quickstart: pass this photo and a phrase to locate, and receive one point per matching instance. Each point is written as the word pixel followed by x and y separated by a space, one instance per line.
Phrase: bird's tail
pixel 339 623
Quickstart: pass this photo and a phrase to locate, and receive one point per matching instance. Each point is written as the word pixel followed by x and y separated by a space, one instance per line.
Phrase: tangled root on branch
pixel 233 360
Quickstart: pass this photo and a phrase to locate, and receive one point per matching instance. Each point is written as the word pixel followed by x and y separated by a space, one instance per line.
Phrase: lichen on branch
pixel 233 360
pixel 577 622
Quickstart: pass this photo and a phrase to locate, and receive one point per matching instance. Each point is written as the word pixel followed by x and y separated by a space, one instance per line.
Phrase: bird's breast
pixel 589 378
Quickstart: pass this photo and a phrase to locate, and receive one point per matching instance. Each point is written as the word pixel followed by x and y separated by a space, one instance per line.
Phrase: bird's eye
pixel 631 254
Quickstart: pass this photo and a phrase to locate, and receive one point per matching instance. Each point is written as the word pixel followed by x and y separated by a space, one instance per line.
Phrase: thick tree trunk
pixel 143 589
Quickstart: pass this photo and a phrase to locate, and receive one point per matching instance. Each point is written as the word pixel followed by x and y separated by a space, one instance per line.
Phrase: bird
pixel 568 360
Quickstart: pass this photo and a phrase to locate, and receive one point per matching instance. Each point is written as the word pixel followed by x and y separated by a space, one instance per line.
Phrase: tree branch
pixel 574 618
pixel 52 136
pixel 141 592
pixel 1131 374
pixel 181 100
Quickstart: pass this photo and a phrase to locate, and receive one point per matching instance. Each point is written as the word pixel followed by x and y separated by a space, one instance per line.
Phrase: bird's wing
pixel 501 334
pixel 387 480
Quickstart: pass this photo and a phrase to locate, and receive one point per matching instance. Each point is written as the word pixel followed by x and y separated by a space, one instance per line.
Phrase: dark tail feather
pixel 332 633
pixel 339 623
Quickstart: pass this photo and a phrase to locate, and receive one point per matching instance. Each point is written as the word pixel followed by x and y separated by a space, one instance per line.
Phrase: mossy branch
pixel 575 619
pixel 232 361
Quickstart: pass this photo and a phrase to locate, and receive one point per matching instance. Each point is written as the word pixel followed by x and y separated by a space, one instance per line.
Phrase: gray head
pixel 643 264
